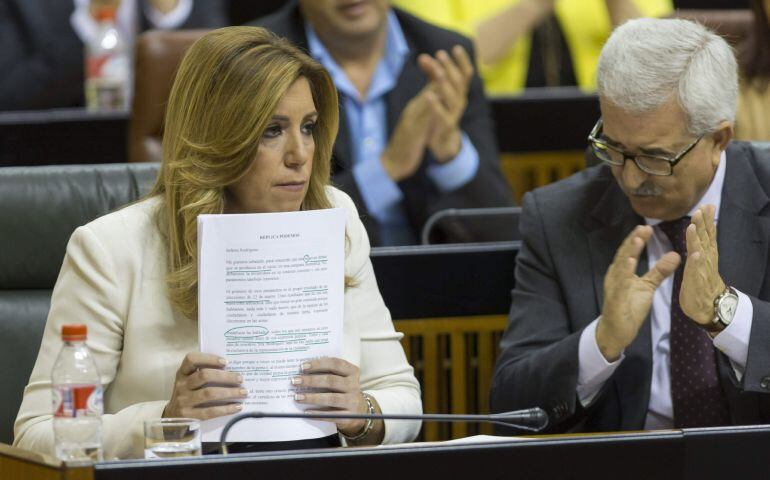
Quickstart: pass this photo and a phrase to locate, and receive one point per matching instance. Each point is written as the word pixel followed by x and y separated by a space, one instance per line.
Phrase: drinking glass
pixel 172 437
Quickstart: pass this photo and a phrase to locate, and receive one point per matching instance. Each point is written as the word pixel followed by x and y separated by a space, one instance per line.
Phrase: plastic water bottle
pixel 77 399
pixel 108 66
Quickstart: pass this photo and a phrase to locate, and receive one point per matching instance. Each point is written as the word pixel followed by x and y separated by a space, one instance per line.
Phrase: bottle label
pixel 107 82
pixel 113 66
pixel 94 65
pixel 70 401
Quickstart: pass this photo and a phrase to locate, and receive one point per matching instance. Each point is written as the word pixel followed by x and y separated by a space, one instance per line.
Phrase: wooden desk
pixel 541 133
pixel 16 463
pixel 545 119
pixel 524 123
pixel 451 303
pixel 62 137
pixel 698 454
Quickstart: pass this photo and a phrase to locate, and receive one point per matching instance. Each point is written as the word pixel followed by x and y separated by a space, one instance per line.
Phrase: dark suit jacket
pixel 41 56
pixel 421 197
pixel 571 230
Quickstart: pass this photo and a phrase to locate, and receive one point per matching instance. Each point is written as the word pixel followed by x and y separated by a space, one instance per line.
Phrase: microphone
pixel 531 419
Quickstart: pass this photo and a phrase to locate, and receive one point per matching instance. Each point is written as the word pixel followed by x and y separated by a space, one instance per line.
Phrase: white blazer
pixel 113 279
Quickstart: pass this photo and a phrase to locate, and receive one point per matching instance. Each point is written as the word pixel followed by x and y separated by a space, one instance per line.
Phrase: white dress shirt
pixel 594 369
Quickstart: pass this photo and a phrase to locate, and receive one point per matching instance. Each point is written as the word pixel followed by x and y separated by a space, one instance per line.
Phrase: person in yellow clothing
pixel 524 43
pixel 752 120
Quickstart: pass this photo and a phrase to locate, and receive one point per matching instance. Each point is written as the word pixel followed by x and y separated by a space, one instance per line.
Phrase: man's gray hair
pixel 646 62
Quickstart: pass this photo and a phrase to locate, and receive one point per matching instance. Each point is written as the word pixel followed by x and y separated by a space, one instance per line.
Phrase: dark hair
pixel 755 52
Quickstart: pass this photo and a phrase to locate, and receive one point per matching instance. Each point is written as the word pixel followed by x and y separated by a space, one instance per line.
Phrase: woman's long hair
pixel 226 90
pixel 755 52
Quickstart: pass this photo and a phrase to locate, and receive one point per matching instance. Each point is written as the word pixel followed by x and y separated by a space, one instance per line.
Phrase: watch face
pixel 727 307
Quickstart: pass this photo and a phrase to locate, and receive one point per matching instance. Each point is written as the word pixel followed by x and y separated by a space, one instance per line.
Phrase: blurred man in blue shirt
pixel 416 134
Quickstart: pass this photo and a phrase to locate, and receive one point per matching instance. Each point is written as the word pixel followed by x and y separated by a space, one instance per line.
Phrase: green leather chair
pixel 41 207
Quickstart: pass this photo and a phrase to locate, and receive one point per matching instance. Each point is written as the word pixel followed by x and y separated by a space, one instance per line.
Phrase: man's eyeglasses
pixel 652 164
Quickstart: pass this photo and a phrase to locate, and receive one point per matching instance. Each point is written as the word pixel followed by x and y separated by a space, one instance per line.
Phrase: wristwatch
pixel 724 310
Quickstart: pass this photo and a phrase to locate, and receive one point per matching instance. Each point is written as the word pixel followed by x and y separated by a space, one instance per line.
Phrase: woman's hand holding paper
pixel 335 388
pixel 204 390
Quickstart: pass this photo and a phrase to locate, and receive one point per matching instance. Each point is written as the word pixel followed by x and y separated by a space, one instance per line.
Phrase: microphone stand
pixel 531 419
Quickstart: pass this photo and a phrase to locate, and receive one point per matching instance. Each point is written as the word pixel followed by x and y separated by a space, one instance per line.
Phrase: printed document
pixel 271 295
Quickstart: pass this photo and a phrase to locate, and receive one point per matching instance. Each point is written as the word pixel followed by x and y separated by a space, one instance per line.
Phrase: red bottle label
pixel 70 401
pixel 94 66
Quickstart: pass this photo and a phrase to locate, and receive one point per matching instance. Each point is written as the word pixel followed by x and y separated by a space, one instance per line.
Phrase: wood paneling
pixel 453 359
pixel 527 171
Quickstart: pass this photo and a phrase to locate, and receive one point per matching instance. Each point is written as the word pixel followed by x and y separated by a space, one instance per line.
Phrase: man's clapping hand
pixel 432 118
pixel 627 296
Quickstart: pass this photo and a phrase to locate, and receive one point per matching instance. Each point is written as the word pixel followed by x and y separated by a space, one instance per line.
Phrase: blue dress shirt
pixel 368 127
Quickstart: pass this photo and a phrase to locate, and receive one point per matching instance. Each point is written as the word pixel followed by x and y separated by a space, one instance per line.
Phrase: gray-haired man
pixel 631 309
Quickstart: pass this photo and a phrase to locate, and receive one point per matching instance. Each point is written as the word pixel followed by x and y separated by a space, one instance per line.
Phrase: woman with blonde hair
pixel 249 128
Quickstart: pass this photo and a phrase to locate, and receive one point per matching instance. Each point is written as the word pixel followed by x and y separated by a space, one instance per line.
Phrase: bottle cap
pixel 74 332
pixel 104 13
